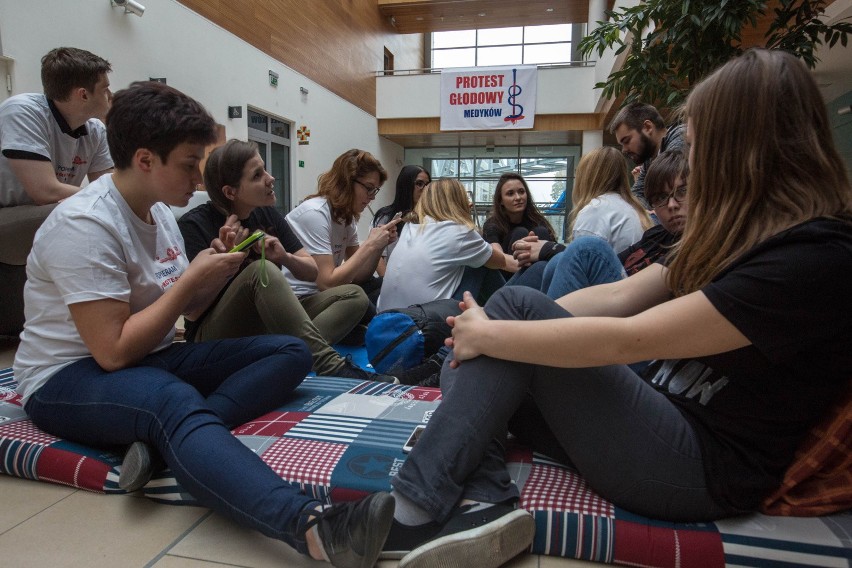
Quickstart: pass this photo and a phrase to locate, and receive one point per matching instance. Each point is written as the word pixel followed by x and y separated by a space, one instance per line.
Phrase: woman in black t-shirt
pixel 748 328
pixel 259 299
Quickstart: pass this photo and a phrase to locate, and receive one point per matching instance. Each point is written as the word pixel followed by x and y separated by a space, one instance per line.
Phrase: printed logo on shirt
pixel 78 161
pixel 65 174
pixel 172 253
pixel 691 380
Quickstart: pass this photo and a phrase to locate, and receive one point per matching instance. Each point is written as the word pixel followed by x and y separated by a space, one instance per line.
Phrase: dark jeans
pixel 183 401
pixel 630 443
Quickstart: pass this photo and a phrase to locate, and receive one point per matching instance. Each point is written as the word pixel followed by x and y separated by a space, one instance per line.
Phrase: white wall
pixel 204 61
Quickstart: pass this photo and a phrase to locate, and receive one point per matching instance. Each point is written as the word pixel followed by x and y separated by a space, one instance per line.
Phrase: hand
pixel 383 235
pixel 274 252
pixel 526 251
pixel 206 275
pixel 466 330
pixel 635 172
pixel 230 234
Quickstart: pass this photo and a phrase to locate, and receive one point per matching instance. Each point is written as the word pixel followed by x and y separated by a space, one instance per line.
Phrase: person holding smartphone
pixel 107 279
pixel 409 186
pixel 326 224
pixel 259 298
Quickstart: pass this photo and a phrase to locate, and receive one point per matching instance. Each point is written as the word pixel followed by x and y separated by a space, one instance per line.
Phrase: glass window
pixel 545 34
pixel 504 55
pixel 547 53
pixel 444 59
pixel 462 38
pixel 258 121
pixel 500 36
pixel 280 128
pixel 502 46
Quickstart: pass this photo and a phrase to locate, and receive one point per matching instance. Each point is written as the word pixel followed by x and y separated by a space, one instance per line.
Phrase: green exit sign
pixel 301 163
pixel 273 78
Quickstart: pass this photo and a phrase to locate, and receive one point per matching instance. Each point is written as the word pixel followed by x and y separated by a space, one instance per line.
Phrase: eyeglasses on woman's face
pixel 662 200
pixel 372 190
pixel 421 183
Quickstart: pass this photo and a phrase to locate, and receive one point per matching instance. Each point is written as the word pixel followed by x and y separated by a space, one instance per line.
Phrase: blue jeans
pixel 183 401
pixel 631 444
pixel 587 261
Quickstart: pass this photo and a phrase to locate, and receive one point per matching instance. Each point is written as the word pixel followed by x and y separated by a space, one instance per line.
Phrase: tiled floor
pixel 42 525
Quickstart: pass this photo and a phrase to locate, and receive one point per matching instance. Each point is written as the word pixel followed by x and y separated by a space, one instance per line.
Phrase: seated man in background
pixel 643 135
pixel 49 143
pixel 588 261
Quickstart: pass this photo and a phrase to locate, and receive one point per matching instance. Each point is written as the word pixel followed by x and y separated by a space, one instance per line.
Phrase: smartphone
pixel 397 216
pixel 412 440
pixel 253 238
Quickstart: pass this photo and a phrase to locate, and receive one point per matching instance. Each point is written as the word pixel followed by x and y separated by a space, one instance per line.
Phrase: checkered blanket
pixel 342 438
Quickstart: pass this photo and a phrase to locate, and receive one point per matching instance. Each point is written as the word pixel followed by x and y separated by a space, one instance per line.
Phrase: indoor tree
pixel 673 44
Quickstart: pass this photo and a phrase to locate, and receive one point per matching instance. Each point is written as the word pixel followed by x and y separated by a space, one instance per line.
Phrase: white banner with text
pixel 488 98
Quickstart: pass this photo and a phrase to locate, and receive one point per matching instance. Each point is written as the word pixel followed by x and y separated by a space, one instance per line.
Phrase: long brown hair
pixel 225 167
pixel 601 171
pixel 337 184
pixel 531 213
pixel 763 159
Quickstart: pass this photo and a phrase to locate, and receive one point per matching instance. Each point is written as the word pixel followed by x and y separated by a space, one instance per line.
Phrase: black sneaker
pixel 350 370
pixel 433 381
pixel 415 375
pixel 353 533
pixel 137 467
pixel 481 535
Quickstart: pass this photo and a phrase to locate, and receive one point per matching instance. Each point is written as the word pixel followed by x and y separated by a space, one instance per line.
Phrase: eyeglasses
pixel 372 191
pixel 420 183
pixel 662 200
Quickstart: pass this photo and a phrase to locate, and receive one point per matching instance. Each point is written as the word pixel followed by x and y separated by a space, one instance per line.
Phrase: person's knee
pixel 355 297
pixel 591 245
pixel 517 234
pixel 295 349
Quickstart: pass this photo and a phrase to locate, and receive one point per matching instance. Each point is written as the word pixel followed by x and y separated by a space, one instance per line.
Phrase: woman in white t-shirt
pixel 604 207
pixel 325 223
pixel 441 255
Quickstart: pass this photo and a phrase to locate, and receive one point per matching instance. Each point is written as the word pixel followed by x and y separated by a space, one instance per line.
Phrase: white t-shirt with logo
pixel 428 262
pixel 91 247
pixel 27 124
pixel 311 221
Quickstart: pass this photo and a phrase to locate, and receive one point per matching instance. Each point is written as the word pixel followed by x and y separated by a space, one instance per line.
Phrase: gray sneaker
pixel 353 533
pixel 137 467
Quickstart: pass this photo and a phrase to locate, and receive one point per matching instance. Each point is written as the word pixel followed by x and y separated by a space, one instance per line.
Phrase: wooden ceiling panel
pixel 424 16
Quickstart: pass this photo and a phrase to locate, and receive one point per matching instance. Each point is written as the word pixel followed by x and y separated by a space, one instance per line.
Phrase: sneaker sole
pixel 488 546
pixel 136 468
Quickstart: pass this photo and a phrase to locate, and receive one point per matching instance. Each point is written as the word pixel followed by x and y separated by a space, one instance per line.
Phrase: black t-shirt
pixel 751 407
pixel 201 225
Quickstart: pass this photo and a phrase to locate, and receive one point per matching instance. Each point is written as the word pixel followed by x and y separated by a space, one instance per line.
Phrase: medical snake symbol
pixel 514 91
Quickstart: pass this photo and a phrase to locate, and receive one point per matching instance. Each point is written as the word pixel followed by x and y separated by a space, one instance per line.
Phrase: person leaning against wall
pixel 49 143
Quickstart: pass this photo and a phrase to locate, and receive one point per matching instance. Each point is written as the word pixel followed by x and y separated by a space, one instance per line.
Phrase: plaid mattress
pixel 342 438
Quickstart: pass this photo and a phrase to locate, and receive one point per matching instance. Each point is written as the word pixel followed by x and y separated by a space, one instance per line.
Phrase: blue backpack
pixel 403 338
